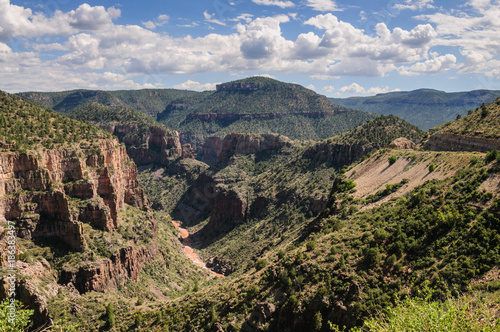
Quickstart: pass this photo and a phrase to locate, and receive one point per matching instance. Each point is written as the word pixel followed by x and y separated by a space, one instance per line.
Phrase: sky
pixel 338 48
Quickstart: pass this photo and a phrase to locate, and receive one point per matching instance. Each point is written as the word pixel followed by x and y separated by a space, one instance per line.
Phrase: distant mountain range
pixel 264 105
pixel 425 108
pixel 149 101
pixel 257 104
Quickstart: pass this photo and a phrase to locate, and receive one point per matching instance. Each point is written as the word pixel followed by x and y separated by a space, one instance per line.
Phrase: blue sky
pixel 337 48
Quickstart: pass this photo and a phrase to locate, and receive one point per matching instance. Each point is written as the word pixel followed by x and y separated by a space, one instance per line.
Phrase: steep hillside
pixel 25 126
pixel 148 101
pixel 424 108
pixel 371 135
pixel 147 141
pixel 258 105
pixel 81 220
pixel 314 249
pixel 477 131
pixel 262 179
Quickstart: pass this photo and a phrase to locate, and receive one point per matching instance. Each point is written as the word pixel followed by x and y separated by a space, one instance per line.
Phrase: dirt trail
pixel 186 241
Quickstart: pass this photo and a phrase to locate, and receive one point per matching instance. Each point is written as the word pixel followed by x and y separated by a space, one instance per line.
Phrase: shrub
pixel 21 320
pixel 392 159
pixel 252 291
pixel 432 167
pixel 311 245
pixel 463 314
pixel 492 155
pixel 372 256
pixel 484 111
pixel 109 316
pixel 260 264
pixel 318 321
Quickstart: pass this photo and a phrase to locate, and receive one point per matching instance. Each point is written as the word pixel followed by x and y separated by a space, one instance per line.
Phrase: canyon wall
pixel 234 144
pixel 52 192
pixel 161 146
pixel 453 142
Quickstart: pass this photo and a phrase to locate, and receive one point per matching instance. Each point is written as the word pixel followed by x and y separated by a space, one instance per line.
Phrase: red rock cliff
pixel 52 192
pixel 159 147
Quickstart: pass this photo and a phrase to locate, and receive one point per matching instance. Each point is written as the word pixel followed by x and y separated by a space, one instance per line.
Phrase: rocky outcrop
pixel 161 146
pixel 453 142
pixel 221 266
pixel 239 86
pixel 233 117
pixel 229 210
pixel 50 193
pixel 234 144
pixel 401 143
pixel 261 314
pixel 187 151
pixel 211 149
pixel 337 154
pixel 106 274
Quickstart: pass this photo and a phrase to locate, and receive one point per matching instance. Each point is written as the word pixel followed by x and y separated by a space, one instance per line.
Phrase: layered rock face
pixel 52 192
pixel 160 147
pixel 211 149
pixel 337 153
pixel 454 142
pixel 107 274
pixel 234 144
pixel 233 117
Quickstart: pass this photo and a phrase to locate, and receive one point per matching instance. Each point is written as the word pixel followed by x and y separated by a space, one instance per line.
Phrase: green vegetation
pixel 275 107
pixel 100 114
pixel 25 126
pixel 481 122
pixel 379 132
pixel 21 319
pixel 148 101
pixel 313 249
pixel 420 107
pixel 358 263
pixel 130 126
pixel 468 313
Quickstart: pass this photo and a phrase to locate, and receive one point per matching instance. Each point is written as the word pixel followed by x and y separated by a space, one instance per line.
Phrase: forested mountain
pixel 425 108
pixel 253 105
pixel 259 105
pixel 149 101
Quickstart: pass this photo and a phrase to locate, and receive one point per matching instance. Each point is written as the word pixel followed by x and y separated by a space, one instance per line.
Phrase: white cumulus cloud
pixel 281 4
pixel 196 86
pixel 323 5
pixel 415 4
pixel 356 89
